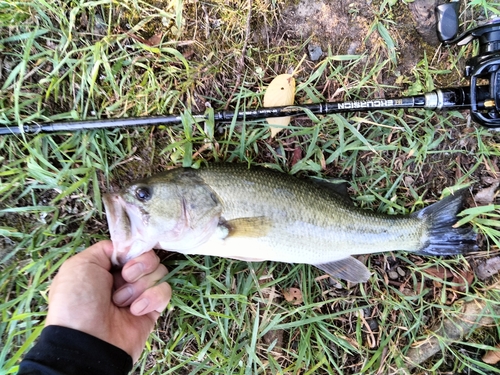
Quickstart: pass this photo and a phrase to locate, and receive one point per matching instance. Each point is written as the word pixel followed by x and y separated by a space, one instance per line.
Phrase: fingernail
pixel 139 306
pixel 122 295
pixel 132 273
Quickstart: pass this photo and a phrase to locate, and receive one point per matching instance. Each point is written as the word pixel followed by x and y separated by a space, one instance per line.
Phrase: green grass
pixel 66 60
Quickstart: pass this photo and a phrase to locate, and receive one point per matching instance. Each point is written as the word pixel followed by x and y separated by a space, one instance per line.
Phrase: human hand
pixel 120 308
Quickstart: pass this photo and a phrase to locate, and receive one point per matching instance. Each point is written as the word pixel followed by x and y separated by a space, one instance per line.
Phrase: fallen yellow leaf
pixel 280 92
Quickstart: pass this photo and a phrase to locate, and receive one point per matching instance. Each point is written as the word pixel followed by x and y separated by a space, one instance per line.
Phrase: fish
pixel 258 214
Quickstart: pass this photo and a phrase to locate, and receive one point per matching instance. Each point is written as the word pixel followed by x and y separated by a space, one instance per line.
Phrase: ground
pixel 72 60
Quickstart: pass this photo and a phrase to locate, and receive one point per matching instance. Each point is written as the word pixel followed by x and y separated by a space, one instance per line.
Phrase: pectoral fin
pixel 248 227
pixel 349 269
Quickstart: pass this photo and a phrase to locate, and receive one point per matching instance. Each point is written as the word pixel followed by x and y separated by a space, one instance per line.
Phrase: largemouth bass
pixel 257 214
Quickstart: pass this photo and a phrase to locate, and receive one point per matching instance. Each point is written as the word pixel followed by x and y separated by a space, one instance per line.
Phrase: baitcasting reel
pixel 483 70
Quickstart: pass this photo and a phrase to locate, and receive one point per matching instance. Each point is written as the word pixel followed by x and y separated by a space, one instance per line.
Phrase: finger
pixel 129 292
pixel 138 267
pixel 154 299
pixel 118 280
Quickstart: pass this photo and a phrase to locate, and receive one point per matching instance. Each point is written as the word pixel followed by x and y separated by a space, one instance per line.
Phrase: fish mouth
pixel 125 224
pixel 118 221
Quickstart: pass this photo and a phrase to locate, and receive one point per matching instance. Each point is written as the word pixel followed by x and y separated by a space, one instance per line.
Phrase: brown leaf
pixel 154 40
pixel 293 295
pixel 492 357
pixel 488 268
pixel 462 277
pixel 297 155
pixel 440 273
pixel 487 195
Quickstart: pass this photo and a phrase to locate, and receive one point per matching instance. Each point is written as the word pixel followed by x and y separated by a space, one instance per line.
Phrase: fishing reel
pixel 483 70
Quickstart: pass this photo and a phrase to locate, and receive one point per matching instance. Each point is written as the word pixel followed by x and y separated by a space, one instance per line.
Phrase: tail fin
pixel 443 238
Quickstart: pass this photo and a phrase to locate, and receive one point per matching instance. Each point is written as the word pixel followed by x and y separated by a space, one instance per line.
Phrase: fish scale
pixel 299 210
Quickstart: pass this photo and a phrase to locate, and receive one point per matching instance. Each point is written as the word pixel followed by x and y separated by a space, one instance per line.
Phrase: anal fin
pixel 349 269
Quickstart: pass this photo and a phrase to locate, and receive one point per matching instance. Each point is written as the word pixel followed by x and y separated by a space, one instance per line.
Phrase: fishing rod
pixel 481 97
pixel 437 100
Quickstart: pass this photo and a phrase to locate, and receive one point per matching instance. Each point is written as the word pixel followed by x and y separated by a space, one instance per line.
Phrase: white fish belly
pixel 301 242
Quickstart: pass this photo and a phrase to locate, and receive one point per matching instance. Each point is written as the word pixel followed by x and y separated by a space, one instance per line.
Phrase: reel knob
pixel 447 21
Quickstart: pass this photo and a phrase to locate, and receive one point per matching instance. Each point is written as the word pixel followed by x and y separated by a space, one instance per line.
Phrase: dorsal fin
pixel 337 186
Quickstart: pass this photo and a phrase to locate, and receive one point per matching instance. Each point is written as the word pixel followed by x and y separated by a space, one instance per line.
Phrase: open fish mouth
pixel 113 207
pixel 118 224
pixel 125 222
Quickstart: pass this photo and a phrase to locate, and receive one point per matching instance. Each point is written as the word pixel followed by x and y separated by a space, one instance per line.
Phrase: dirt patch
pixel 351 28
pixel 340 24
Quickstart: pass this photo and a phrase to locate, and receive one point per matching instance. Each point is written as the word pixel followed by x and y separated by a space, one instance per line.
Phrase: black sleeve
pixel 65 351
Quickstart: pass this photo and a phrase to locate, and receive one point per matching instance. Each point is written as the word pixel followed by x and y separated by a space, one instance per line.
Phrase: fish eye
pixel 143 193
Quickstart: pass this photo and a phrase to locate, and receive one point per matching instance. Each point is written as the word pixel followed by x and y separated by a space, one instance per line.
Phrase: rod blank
pixel 451 98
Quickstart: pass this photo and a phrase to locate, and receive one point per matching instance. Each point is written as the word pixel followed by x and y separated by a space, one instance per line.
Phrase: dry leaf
pixel 296 156
pixel 294 296
pixel 461 277
pixel 440 273
pixel 280 92
pixel 492 357
pixel 488 268
pixel 464 278
pixel 487 195
pixel 155 40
